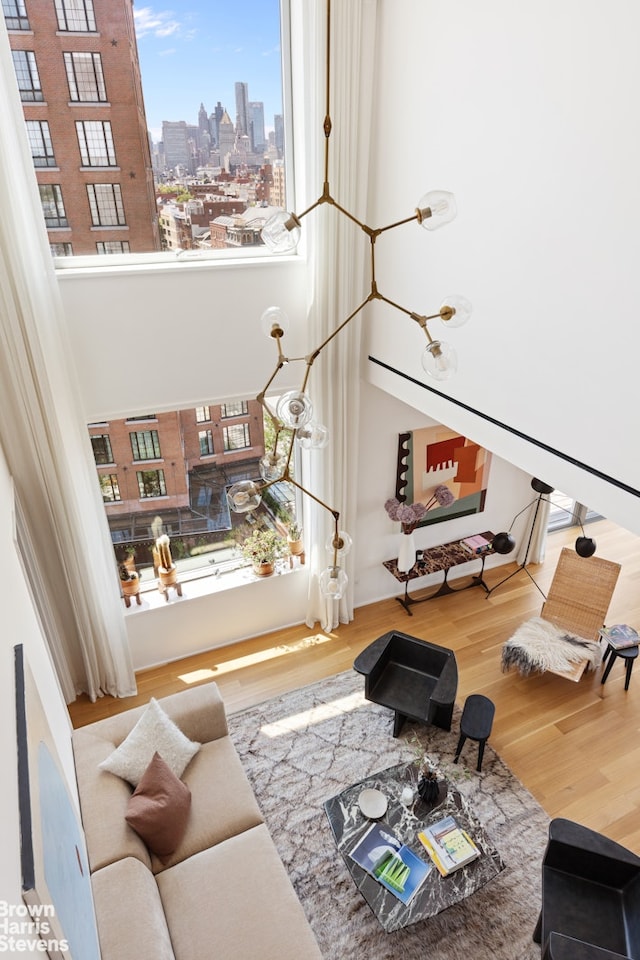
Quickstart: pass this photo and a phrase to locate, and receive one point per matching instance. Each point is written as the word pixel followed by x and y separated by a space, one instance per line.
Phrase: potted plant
pixel 263 547
pixel 130 559
pixel 294 539
pixel 130 583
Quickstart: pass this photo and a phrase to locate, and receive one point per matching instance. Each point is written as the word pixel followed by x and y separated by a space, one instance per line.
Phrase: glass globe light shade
pixel 271 467
pixel 461 307
pixel 343 546
pixel 503 542
pixel 312 436
pixel 281 232
pixel 439 360
pixel 333 583
pixel 585 547
pixel 274 319
pixel 294 409
pixel 244 496
pixel 436 208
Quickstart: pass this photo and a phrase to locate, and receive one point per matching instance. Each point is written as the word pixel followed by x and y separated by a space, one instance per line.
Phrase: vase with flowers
pixel 409 516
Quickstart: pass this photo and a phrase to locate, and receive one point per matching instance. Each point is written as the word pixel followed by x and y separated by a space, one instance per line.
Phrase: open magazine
pixel 392 863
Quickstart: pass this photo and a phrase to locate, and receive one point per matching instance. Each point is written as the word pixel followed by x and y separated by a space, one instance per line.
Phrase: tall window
pixel 236 437
pixel 203 414
pixel 52 205
pixel 109 487
pixel 61 249
pixel 76 16
pixel 85 77
pixel 151 483
pixel 237 408
pixel 105 200
pixel 205 439
pixel 24 62
pixel 102 448
pixel 96 143
pixel 145 445
pixel 15 14
pixel 40 143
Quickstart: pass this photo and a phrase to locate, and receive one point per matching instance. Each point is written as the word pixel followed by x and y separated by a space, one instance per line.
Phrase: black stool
pixel 476 722
pixel 628 654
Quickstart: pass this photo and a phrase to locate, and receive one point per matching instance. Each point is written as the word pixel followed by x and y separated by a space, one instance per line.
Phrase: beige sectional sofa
pixel 224 892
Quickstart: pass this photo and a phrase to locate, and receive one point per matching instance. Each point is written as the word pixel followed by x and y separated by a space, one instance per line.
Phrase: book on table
pixel 620 635
pixel 449 846
pixel 391 862
pixel 476 545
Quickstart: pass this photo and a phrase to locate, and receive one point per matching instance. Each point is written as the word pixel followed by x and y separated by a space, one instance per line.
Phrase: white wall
pixel 528 114
pixel 21 626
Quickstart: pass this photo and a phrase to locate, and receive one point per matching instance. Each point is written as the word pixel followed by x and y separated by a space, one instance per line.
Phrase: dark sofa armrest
pixel 447 683
pixel 373 659
pixel 575 849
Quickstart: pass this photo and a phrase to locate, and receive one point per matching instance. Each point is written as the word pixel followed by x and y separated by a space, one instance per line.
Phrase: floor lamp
pixel 504 542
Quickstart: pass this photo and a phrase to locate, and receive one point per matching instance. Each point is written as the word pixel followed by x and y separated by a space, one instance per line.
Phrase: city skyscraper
pixel 176 144
pixel 79 79
pixel 256 124
pixel 227 137
pixel 242 108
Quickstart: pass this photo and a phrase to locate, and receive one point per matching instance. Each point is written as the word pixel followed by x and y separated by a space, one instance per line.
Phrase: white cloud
pixel 159 24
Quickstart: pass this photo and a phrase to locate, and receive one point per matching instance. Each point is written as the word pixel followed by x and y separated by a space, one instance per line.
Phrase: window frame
pixel 58 201
pixel 77 78
pixel 67 10
pixel 95 142
pixel 40 144
pixel 151 442
pixel 162 484
pixel 20 20
pixel 230 447
pixel 28 71
pixel 99 212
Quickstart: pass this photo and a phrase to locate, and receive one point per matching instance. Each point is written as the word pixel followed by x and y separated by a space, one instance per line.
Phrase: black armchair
pixel 590 897
pixel 414 678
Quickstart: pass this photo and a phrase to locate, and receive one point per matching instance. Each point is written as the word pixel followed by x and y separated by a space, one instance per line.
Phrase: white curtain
pixel 536 529
pixel 339 281
pixel 61 526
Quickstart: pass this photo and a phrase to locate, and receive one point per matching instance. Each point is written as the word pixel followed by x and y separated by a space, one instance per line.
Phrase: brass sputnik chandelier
pixel 292 418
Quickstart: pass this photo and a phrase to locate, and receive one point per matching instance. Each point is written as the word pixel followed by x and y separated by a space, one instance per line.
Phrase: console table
pixel 435 559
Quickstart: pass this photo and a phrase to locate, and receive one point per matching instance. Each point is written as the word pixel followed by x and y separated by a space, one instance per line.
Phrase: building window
pixel 203 414
pixel 151 483
pixel 238 408
pixel 109 487
pixel 24 62
pixel 52 205
pixel 113 246
pixel 145 445
pixel 96 143
pixel 85 77
pixel 205 439
pixel 15 15
pixel 40 143
pixel 102 448
pixel 75 16
pixel 61 249
pixel 236 437
pixel 105 200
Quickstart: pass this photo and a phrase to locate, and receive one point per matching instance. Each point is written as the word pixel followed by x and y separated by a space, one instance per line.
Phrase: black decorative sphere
pixel 541 487
pixel 503 542
pixel 585 547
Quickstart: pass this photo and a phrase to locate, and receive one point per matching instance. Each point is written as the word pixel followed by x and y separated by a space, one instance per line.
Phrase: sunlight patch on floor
pixel 252 659
pixel 323 711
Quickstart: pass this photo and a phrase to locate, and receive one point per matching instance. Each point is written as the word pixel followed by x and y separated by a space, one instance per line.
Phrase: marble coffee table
pixel 348 825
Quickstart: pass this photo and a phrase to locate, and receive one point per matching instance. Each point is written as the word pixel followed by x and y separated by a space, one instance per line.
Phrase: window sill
pixel 152 599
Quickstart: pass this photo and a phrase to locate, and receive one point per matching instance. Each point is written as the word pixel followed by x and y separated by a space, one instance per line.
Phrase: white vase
pixel 406 553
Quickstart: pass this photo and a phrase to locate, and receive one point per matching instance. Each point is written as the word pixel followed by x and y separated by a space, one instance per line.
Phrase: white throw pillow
pixel 154 732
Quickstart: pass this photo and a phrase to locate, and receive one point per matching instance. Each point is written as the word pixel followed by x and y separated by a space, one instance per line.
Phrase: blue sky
pixel 193 51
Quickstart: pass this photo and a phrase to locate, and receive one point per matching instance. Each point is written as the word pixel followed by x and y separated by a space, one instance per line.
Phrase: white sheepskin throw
pixel 539 645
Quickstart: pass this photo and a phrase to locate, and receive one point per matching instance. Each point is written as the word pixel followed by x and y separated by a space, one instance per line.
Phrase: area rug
pixel 304 747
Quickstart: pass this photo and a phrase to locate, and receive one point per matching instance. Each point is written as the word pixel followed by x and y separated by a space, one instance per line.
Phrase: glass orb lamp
pixel 343 545
pixel 333 583
pixel 435 209
pixel 312 436
pixel 274 322
pixel 272 467
pixel 439 360
pixel 455 310
pixel 294 409
pixel 281 232
pixel 244 496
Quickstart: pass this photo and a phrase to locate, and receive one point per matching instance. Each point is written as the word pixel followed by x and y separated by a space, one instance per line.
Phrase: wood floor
pixel 575 746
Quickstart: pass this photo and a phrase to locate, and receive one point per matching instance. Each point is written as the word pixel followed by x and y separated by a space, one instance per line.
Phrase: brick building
pixel 79 79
